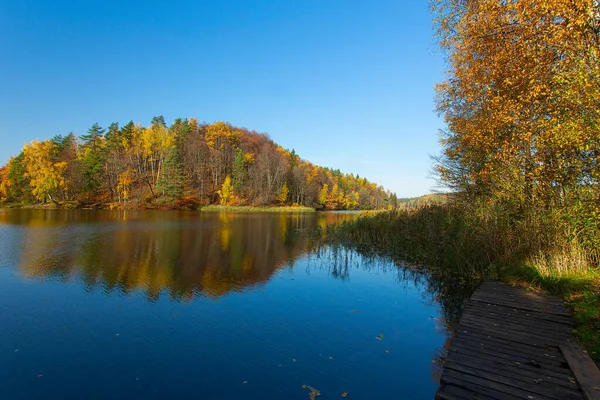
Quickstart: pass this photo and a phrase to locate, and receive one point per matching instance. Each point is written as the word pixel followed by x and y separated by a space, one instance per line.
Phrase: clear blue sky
pixel 347 84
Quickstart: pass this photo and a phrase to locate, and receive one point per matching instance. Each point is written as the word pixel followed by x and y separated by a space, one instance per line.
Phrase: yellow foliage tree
pixel 4 182
pixel 218 132
pixel 283 193
pixel 124 184
pixel 226 192
pixel 521 100
pixel 45 175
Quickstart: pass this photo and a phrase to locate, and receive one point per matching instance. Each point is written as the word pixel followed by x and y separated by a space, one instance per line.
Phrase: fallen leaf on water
pixel 313 392
pixel 572 380
pixel 380 337
pixel 354 311
pixel 344 394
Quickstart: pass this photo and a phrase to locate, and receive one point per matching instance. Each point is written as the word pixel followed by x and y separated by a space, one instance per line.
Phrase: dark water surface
pixel 150 304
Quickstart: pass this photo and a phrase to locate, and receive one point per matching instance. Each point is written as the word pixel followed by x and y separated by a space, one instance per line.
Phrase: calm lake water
pixel 151 304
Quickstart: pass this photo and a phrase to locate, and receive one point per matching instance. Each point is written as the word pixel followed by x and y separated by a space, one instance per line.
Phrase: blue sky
pixel 347 84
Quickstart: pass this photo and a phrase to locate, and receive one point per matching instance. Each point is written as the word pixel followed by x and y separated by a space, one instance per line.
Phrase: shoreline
pixel 159 207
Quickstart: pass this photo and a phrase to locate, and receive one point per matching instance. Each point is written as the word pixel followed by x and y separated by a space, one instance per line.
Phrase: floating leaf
pixel 380 337
pixel 344 394
pixel 313 392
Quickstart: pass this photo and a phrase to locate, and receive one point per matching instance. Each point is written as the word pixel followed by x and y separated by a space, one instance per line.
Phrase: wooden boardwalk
pixel 514 344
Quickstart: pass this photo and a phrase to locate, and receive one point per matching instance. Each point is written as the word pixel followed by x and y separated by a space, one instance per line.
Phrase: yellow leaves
pixel 283 193
pixel 219 133
pixel 226 191
pixel 124 181
pixel 45 175
pixel 520 71
pixel 250 158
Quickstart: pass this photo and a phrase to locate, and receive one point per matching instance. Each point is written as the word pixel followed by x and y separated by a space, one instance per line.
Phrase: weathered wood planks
pixel 515 344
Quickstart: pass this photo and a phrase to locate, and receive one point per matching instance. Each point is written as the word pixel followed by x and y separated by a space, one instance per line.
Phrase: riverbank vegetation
pixel 520 155
pixel 186 165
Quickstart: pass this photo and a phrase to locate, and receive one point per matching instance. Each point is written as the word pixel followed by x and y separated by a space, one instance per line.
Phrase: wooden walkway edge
pixel 516 344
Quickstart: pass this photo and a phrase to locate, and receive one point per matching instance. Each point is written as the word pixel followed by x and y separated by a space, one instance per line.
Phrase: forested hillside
pixel 428 199
pixel 188 164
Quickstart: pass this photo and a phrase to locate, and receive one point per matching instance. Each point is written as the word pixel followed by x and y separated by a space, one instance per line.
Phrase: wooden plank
pixel 551 351
pixel 516 292
pixel 531 386
pixel 507 346
pixel 517 295
pixel 508 359
pixel 519 324
pixel 585 370
pixel 517 337
pixel 522 305
pixel 519 378
pixel 454 392
pixel 516 328
pixel 508 336
pixel 485 392
pixel 532 300
pixel 505 312
pixel 541 357
pixel 470 380
pixel 561 379
pixel 515 356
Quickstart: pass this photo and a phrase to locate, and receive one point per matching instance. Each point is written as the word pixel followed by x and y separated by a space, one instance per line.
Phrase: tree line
pixel 187 164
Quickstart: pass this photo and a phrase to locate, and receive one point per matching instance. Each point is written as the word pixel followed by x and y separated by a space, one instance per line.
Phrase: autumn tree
pixel 226 191
pixel 521 99
pixel 44 173
pixel 283 193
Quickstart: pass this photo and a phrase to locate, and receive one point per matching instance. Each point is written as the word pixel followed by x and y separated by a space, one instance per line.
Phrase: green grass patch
pixel 215 208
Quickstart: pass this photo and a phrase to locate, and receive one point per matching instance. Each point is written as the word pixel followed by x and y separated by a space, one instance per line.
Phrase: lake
pixel 182 304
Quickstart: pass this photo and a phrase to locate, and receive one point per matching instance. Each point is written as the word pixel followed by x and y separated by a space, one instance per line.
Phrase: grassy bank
pixel 478 241
pixel 214 208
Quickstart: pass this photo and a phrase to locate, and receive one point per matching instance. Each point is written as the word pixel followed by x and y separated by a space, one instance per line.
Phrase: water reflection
pixel 182 254
pixel 301 315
